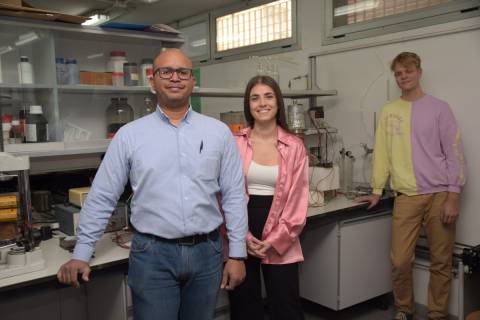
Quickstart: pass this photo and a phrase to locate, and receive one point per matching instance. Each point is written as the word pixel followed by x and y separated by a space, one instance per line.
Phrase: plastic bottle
pixel 119 113
pixel 148 106
pixel 72 74
pixel 146 71
pixel 25 71
pixel 115 66
pixel 130 74
pixel 16 134
pixel 61 70
pixel 36 126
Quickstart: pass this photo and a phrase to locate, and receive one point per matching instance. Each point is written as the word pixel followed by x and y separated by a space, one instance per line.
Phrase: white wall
pixel 451 64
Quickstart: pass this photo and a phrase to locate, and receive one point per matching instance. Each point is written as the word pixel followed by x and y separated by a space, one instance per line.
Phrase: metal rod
pixel 25 207
pixel 461 279
pixel 312 79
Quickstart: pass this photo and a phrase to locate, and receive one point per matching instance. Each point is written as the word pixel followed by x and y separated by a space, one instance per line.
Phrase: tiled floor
pixel 370 310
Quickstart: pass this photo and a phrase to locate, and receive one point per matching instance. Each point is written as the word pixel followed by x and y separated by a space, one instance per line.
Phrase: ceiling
pixel 135 11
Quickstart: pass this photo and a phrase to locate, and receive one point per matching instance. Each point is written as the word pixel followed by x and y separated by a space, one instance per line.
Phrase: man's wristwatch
pixel 238 258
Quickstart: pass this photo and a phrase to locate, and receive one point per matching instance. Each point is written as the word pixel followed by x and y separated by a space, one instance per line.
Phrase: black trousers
pixel 281 280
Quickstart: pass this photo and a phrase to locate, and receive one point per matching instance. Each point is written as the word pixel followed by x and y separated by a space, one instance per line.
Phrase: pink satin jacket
pixel 288 212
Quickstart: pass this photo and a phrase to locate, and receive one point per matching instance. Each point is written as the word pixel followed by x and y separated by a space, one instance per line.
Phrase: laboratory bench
pixel 347 253
pixel 38 294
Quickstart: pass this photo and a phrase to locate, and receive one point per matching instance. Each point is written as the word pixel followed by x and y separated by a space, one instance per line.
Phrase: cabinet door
pixel 319 272
pixel 107 297
pixel 365 268
pixel 27 72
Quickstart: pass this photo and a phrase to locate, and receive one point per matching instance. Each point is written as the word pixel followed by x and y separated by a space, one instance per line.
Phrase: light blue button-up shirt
pixel 176 174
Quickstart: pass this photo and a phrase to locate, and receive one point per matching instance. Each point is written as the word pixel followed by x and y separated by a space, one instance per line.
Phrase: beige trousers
pixel 410 213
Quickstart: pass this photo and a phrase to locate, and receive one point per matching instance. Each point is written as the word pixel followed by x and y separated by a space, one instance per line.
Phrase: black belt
pixel 189 240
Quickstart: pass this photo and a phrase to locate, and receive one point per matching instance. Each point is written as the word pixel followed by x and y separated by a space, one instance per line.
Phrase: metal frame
pixel 274 46
pixel 455 10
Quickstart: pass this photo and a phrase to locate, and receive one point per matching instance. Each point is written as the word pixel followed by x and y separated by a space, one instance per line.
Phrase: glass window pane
pixel 347 12
pixel 269 22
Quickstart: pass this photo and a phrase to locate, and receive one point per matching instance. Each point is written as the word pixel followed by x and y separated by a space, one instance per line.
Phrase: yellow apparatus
pixel 8 207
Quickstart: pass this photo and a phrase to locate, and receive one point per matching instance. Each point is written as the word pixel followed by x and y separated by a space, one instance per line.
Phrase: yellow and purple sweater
pixel 418 145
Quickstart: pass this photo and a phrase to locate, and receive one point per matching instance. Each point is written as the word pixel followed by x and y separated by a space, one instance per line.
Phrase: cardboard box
pixel 17 3
pixel 96 78
pixel 21 9
pixel 77 196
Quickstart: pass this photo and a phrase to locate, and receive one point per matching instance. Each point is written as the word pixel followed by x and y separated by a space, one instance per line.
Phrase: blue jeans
pixel 174 282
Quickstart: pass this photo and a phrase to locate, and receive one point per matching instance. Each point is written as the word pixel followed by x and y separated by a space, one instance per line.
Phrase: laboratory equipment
pixel 324 152
pixel 115 66
pixel 296 118
pixel 235 120
pixel 148 106
pixel 25 71
pixel 130 74
pixel 24 256
pixel 324 182
pixel 119 113
pixel 68 217
pixel 146 71
pixel 61 70
pixel 72 75
pixel 36 125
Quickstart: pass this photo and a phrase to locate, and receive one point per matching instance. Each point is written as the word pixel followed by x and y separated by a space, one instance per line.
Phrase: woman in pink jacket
pixel 275 166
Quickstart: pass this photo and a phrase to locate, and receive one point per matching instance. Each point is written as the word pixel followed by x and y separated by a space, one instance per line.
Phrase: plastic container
pixel 130 74
pixel 146 71
pixel 16 133
pixel 115 66
pixel 25 71
pixel 72 73
pixel 61 70
pixel 119 113
pixel 36 126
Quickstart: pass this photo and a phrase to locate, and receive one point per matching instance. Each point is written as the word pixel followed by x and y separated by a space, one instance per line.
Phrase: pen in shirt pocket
pixel 201 147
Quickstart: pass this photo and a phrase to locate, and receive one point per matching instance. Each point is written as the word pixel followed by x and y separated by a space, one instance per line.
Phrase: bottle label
pixel 31 132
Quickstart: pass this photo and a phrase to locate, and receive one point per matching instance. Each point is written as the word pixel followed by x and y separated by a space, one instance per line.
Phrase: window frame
pixel 270 47
pixel 447 12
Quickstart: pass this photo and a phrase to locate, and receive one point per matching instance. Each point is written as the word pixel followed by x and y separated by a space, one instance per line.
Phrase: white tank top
pixel 261 179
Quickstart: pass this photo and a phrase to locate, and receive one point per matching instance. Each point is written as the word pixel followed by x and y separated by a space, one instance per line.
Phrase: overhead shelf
pixel 15 87
pixel 197 91
pixel 84 88
pixel 239 93
pixel 79 32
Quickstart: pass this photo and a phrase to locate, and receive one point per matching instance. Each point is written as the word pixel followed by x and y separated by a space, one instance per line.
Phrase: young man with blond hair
pixel 418 146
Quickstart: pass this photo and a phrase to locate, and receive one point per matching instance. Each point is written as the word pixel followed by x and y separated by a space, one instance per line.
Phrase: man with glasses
pixel 178 162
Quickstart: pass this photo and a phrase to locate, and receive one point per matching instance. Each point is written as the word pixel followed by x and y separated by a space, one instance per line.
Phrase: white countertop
pixel 338 203
pixel 106 252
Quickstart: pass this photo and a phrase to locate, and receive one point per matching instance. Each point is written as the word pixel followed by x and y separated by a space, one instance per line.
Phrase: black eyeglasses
pixel 166 73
